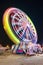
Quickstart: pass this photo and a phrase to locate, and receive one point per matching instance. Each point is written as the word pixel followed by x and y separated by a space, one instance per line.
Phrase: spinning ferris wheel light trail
pixel 19 26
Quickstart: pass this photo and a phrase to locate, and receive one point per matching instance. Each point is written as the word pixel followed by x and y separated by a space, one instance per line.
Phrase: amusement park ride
pixel 19 27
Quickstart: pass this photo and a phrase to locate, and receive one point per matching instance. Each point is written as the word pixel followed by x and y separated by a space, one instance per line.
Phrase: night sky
pixel 33 8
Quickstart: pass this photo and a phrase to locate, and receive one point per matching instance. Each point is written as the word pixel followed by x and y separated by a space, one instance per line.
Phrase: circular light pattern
pixel 19 26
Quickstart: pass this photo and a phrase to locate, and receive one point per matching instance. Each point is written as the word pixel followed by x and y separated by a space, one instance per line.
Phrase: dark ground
pixel 10 59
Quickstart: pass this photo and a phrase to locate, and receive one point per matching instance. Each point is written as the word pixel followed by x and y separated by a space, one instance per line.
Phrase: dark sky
pixel 33 8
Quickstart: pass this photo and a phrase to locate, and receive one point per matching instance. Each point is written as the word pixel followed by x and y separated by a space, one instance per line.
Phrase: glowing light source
pixel 19 26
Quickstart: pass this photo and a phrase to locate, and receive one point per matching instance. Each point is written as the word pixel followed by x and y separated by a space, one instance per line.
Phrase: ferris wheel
pixel 19 26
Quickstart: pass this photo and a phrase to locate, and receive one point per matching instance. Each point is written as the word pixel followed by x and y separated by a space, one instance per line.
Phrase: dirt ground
pixel 10 59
